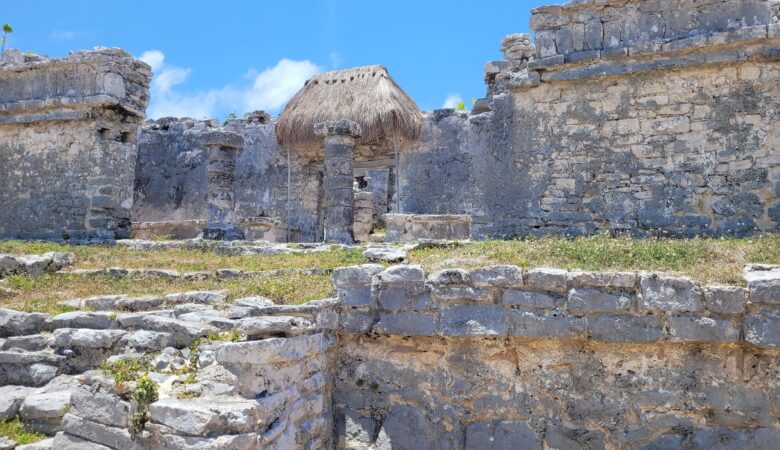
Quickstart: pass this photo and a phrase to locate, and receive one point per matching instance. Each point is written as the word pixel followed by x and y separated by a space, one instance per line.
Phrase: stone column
pixel 223 147
pixel 337 180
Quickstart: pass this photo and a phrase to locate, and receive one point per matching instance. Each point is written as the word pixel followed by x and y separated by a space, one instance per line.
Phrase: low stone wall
pixel 553 358
pixel 413 227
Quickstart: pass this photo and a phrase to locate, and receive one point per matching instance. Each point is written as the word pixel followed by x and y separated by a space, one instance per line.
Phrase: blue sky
pixel 212 58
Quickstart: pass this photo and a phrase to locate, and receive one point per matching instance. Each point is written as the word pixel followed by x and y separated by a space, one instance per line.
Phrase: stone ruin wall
pixel 653 117
pixel 494 357
pixel 170 183
pixel 502 358
pixel 647 117
pixel 68 142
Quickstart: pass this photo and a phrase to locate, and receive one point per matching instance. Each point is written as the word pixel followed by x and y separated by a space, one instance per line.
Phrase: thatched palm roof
pixel 366 95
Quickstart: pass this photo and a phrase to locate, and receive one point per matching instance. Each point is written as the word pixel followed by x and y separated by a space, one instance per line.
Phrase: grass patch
pixel 707 260
pixel 15 430
pixel 43 292
pixel 183 260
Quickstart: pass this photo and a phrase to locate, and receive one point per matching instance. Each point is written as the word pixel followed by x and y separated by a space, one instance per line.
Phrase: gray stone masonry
pixel 68 142
pixel 338 198
pixel 223 147
pixel 546 302
pixel 550 358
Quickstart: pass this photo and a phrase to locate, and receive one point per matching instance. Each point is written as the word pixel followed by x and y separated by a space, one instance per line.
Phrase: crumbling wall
pixel 645 117
pixel 499 356
pixel 68 142
pixel 170 184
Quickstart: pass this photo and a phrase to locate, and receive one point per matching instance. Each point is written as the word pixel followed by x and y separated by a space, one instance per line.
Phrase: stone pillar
pixel 223 147
pixel 338 180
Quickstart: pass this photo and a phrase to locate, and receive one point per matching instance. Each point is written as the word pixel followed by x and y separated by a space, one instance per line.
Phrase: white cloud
pixel 274 86
pixel 154 58
pixel 452 101
pixel 63 35
pixel 267 90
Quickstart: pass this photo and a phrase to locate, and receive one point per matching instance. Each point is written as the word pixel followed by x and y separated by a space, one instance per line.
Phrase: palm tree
pixel 6 29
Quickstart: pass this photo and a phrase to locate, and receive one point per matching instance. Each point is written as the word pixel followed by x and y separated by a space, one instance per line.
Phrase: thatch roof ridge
pixel 367 95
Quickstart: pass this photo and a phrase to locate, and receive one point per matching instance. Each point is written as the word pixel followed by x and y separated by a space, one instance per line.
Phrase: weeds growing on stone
pixel 15 430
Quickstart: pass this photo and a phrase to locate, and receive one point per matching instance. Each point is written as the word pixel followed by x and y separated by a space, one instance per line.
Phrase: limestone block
pixel 356 321
pixel 361 274
pixel 586 300
pixel 529 324
pixel 625 328
pixel 99 433
pixel 702 329
pixel 410 323
pixel 473 320
pixel 547 279
pixel 762 328
pixel 81 319
pixel 86 338
pixel 532 299
pixel 31 342
pixel 625 281
pixel 43 412
pixel 273 325
pixel 497 276
pixel 763 283
pixel 270 351
pixel 725 299
pixel 98 405
pixel 147 340
pixel 11 398
pixel 14 323
pixel 664 293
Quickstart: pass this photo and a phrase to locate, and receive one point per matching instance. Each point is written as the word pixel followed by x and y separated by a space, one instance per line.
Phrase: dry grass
pixel 707 260
pixel 99 257
pixel 42 293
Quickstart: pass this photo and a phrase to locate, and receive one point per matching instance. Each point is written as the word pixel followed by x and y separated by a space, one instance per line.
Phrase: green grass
pixel 15 430
pixel 707 260
pixel 183 260
pixel 42 293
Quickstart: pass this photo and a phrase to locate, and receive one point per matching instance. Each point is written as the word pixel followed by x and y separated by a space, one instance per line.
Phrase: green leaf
pixel 7 28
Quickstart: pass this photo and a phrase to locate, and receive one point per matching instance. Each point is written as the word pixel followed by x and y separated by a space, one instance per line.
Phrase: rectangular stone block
pixel 664 293
pixel 355 294
pixel 473 320
pixel 409 323
pixel 532 299
pixel 395 296
pixel 762 328
pixel 624 281
pixel 585 300
pixel 529 324
pixel 497 276
pixel 725 299
pixel 546 279
pixel 354 321
pixel 763 283
pixel 702 329
pixel 626 328
pixel 362 274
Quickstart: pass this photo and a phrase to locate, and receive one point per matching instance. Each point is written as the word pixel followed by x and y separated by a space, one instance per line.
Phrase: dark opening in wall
pixel 127 136
pixel 362 183
pixel 104 133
